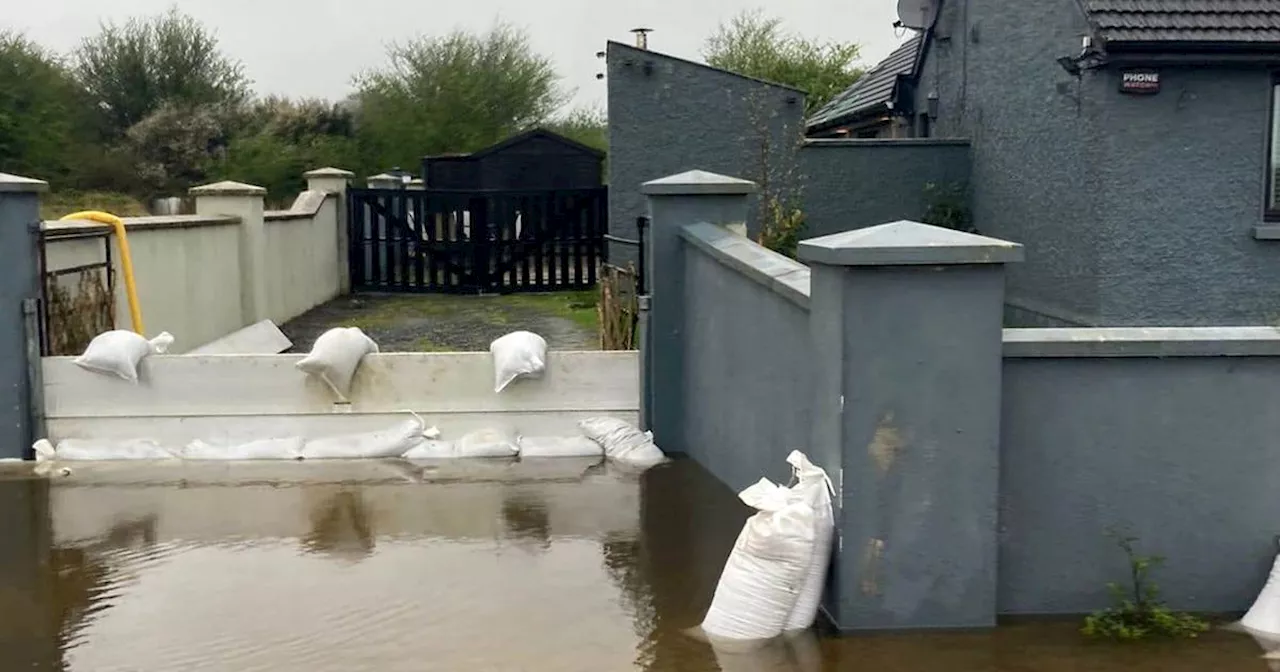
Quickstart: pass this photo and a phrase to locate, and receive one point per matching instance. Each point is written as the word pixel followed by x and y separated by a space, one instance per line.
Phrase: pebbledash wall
pixel 203 276
pixel 979 470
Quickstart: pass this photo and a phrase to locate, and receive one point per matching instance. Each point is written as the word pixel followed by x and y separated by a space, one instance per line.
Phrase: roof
pixel 1166 22
pixel 517 139
pixel 873 91
pixel 636 51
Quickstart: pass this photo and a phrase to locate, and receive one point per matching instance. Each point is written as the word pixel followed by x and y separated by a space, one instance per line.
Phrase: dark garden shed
pixel 535 160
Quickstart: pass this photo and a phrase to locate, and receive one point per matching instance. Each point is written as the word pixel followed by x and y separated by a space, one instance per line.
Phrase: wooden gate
pixel 471 242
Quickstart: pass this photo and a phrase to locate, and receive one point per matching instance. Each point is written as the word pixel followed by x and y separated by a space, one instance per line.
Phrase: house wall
pixel 851 184
pixel 1135 210
pixel 685 115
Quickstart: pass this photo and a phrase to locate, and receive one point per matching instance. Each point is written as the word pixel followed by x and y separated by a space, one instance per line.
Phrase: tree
pixel 455 93
pixel 756 45
pixel 42 110
pixel 586 125
pixel 131 71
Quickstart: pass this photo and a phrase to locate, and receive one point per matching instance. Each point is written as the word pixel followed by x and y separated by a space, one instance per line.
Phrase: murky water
pixel 559 566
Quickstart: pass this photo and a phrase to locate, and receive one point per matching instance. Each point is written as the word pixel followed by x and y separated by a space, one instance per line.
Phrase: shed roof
pixel 873 91
pixel 1167 22
pixel 517 139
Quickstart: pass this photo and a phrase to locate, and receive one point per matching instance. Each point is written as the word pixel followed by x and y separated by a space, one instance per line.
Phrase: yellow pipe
pixel 126 261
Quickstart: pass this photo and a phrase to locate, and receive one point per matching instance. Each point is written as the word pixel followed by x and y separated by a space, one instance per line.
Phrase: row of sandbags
pixel 333 358
pixel 773 580
pixel 411 439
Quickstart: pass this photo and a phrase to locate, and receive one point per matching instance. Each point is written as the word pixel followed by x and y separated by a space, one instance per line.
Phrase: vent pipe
pixel 642 37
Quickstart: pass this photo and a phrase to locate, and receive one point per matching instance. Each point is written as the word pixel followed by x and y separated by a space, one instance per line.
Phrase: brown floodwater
pixel 560 565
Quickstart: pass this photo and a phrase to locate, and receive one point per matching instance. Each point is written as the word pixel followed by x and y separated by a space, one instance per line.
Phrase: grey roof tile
pixel 1188 21
pixel 872 90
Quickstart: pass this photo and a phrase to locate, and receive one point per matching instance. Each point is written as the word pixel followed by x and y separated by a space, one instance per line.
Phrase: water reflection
pixel 408 567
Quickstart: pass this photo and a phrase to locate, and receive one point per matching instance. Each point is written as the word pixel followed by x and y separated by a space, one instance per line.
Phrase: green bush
pixel 1137 612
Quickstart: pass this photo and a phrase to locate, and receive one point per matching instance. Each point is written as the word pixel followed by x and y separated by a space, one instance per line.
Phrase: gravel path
pixel 445 323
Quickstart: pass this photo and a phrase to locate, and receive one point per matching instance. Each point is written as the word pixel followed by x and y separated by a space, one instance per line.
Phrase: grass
pixel 578 307
pixel 62 203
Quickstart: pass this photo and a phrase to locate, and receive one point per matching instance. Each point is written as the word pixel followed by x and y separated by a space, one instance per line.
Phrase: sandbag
pixel 812 488
pixel 335 357
pixel 559 446
pixel 431 449
pixel 762 578
pixel 621 441
pixel 100 450
pixel 390 442
pixel 1264 616
pixel 485 443
pixel 264 449
pixel 520 354
pixel 119 351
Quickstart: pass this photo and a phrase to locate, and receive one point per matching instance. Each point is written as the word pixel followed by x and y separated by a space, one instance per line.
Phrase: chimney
pixel 642 37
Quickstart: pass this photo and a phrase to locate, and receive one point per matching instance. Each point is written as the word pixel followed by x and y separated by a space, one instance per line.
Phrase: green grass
pixel 386 312
pixel 62 203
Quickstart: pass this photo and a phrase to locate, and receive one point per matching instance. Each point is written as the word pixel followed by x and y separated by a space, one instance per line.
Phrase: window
pixel 1273 153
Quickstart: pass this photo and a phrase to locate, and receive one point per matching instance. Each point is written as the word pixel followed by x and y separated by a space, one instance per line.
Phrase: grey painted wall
pixel 681 115
pixel 1179 451
pixel 19 213
pixel 1135 210
pixel 851 184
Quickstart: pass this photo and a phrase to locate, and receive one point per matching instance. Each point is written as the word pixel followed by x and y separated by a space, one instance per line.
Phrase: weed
pixel 1137 611
pixel 948 207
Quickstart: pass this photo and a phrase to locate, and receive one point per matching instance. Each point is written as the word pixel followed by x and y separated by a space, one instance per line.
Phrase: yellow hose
pixel 126 261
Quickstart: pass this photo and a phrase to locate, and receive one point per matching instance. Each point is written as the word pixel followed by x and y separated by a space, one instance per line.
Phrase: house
pixel 879 105
pixel 1130 145
pixel 534 160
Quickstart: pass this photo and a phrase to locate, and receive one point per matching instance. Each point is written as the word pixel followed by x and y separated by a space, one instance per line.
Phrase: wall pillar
pixel 906 322
pixel 384 181
pixel 235 199
pixel 675 201
pixel 336 181
pixel 19 281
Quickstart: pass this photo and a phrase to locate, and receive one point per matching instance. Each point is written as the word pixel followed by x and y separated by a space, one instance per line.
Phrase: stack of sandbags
pixel 772 582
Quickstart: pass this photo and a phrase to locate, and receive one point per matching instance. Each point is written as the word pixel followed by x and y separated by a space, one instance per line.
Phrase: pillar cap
pixel 905 243
pixel 697 183
pixel 19 184
pixel 227 188
pixel 329 172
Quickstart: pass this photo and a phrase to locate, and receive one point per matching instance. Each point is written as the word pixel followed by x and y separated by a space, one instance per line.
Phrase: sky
pixel 312 48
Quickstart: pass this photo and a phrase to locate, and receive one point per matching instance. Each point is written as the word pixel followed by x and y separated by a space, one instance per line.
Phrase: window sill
pixel 1268 231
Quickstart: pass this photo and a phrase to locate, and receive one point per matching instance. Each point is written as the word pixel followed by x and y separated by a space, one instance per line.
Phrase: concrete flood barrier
pixel 225 399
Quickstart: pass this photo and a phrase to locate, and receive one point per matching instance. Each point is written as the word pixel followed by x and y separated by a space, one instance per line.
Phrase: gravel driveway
pixel 448 323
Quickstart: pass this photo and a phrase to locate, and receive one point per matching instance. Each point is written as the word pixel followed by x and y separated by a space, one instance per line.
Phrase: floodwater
pixel 561 566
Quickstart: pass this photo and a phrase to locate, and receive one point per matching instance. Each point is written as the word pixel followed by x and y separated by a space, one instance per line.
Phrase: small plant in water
pixel 1137 612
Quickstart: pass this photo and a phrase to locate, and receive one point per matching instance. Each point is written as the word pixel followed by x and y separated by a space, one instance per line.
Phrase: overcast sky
pixel 313 47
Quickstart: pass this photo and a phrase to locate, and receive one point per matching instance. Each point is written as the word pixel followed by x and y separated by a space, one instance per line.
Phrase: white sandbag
pixel 431 449
pixel 812 488
pixel 118 352
pixel 622 441
pixel 390 442
pixel 1264 616
pixel 559 446
pixel 335 357
pixel 487 443
pixel 762 578
pixel 520 354
pixel 263 449
pixel 100 450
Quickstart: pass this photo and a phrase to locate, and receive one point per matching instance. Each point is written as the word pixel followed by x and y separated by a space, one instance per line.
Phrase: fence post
pixel 19 285
pixel 245 201
pixel 905 319
pixel 674 202
pixel 336 181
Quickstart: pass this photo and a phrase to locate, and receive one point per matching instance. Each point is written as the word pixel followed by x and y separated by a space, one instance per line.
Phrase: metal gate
pixel 472 242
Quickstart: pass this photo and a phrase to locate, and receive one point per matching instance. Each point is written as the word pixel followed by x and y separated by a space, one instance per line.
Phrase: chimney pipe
pixel 642 37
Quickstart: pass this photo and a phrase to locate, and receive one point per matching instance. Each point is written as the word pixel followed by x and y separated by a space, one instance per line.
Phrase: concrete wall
pixel 1135 210
pixel 979 469
pixel 19 282
pixel 203 276
pixel 851 184
pixel 668 115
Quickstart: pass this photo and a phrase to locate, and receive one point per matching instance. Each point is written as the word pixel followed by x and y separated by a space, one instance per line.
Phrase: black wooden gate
pixel 470 242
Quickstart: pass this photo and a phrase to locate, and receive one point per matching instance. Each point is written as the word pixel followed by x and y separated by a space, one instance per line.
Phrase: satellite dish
pixel 917 14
